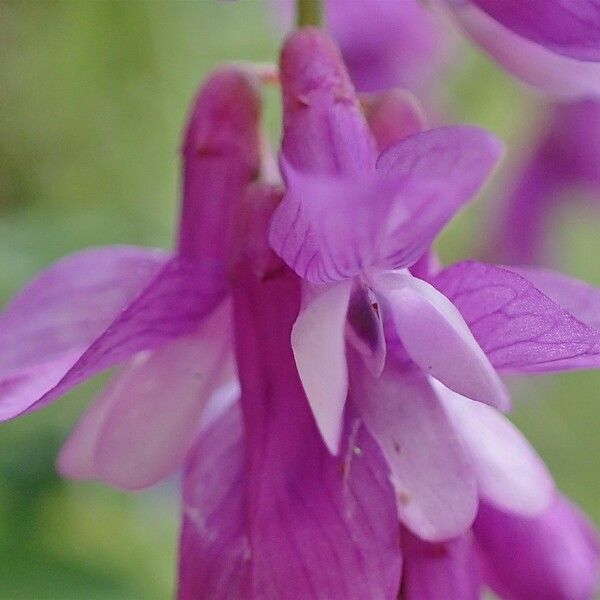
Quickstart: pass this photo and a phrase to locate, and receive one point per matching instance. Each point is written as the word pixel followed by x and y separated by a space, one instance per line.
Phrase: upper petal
pixel 320 352
pixel 91 311
pixel 555 74
pixel 510 474
pixel 518 326
pixel 569 27
pixel 436 337
pixel 434 483
pixel 329 228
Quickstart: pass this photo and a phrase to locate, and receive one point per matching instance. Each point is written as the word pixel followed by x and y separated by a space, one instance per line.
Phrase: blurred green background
pixel 93 95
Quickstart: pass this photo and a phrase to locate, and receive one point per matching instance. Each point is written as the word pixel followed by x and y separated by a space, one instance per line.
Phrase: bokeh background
pixel 93 95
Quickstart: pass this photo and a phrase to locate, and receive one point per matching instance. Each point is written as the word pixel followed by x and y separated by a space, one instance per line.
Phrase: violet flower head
pixel 562 165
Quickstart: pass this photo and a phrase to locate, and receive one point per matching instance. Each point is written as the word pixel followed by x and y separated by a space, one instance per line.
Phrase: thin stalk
pixel 309 13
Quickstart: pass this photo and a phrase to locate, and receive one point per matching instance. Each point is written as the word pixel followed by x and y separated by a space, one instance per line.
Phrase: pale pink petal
pixel 518 327
pixel 320 352
pixel 440 570
pixel 510 474
pixel 155 408
pixel 555 74
pixel 436 337
pixel 435 486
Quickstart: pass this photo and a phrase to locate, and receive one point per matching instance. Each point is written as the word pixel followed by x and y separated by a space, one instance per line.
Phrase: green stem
pixel 309 13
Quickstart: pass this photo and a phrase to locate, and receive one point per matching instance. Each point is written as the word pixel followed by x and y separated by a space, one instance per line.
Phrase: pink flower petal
pixel 552 73
pixel 436 337
pixel 324 130
pixel 433 571
pixel 555 555
pixel 510 474
pixel 154 409
pixel 320 352
pixel 92 311
pixel 518 327
pixel 579 298
pixel 568 27
pixel 435 485
pixel 329 228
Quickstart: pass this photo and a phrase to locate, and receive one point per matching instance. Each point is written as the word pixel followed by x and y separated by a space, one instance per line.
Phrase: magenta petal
pixel 329 228
pixel 435 485
pixel 579 298
pixel 555 74
pixel 510 474
pixel 438 171
pixel 436 337
pixel 555 556
pixel 569 27
pixel 320 351
pixel 324 130
pixel 214 551
pixel 155 408
pixel 117 303
pixel 442 570
pixel 51 322
pixel 221 156
pixel 518 327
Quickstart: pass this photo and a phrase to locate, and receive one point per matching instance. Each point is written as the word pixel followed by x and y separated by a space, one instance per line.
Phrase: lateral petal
pixel 518 326
pixel 436 337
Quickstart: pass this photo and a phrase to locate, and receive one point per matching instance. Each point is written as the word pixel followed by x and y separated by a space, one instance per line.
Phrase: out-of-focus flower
pixel 385 43
pixel 553 45
pixel 563 162
pixel 163 316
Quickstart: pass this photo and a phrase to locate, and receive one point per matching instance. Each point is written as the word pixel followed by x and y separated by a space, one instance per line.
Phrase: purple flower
pixel 399 44
pixel 163 317
pixel 351 224
pixel 563 162
pixel 553 45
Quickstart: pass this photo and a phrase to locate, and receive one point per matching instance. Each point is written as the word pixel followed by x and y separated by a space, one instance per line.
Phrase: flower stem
pixel 309 13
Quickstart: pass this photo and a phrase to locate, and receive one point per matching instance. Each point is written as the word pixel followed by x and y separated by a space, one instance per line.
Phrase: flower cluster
pixel 332 393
